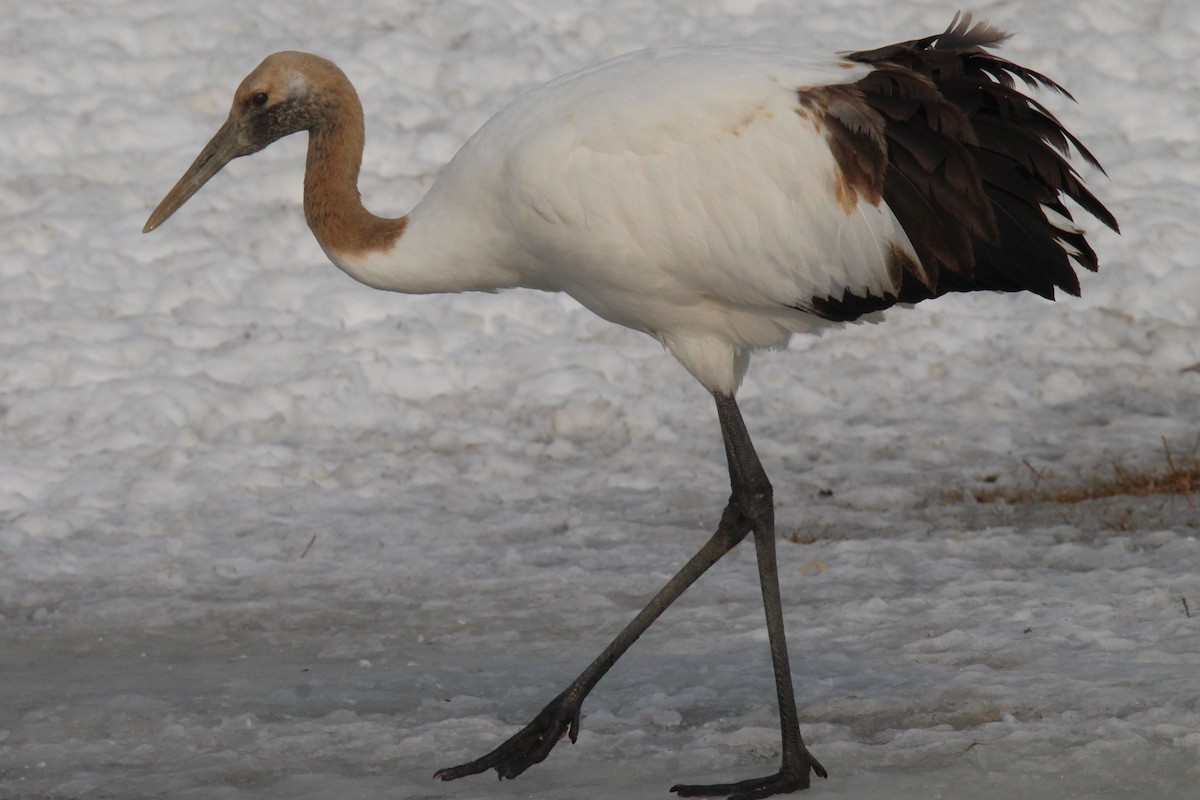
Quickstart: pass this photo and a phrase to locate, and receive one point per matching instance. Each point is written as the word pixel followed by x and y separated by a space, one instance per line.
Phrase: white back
pixel 674 191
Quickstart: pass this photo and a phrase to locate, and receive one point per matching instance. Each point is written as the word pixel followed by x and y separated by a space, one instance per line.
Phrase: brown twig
pixel 1037 475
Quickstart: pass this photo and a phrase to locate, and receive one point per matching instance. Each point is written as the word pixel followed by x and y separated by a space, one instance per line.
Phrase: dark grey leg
pixel 753 496
pixel 749 509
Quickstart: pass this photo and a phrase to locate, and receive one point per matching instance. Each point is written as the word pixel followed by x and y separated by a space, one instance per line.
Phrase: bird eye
pixel 259 98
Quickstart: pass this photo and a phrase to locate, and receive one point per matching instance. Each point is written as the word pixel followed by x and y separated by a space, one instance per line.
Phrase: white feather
pixel 677 192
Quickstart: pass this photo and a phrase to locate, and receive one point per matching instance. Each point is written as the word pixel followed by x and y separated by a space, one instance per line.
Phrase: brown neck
pixel 332 204
pixel 444 248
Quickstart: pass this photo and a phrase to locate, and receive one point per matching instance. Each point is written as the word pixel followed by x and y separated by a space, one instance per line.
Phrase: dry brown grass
pixel 1177 475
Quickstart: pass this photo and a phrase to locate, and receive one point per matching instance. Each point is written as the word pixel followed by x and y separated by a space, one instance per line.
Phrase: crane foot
pixel 782 782
pixel 526 747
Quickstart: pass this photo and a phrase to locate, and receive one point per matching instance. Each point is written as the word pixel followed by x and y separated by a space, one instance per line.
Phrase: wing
pixel 692 175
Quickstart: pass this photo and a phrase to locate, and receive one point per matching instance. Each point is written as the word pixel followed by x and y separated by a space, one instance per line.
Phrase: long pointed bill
pixel 223 148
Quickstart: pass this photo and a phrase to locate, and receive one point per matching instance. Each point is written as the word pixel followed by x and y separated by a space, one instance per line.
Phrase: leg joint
pixel 754 499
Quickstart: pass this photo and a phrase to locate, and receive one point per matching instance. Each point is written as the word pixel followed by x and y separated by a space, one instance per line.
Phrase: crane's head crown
pixel 288 92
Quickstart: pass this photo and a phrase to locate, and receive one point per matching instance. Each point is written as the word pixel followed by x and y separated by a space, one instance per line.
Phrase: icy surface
pixel 266 533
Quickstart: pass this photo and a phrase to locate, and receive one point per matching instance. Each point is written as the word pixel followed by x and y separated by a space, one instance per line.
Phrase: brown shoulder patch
pixel 854 132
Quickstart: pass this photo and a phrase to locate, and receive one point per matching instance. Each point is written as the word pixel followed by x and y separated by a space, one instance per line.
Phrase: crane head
pixel 278 98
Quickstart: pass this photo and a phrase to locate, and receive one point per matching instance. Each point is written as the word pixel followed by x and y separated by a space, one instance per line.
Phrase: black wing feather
pixel 971 165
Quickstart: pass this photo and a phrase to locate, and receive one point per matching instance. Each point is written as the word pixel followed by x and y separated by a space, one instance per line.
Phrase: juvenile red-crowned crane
pixel 719 199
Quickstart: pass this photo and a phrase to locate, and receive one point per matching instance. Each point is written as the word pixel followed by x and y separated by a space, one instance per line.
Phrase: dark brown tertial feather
pixel 971 164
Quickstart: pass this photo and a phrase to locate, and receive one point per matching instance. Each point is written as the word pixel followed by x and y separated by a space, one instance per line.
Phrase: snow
pixel 265 533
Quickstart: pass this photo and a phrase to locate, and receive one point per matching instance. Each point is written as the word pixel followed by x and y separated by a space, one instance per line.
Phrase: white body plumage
pixel 682 192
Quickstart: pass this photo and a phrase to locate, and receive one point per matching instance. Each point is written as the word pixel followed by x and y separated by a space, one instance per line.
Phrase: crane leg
pixel 753 494
pixel 750 510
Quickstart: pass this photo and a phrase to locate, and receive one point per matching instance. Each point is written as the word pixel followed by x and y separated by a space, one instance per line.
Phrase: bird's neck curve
pixel 332 204
pixel 401 254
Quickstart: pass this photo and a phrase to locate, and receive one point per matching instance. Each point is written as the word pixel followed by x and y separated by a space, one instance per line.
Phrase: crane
pixel 719 199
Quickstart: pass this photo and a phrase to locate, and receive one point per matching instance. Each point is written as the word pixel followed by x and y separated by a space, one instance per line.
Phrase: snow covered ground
pixel 266 533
